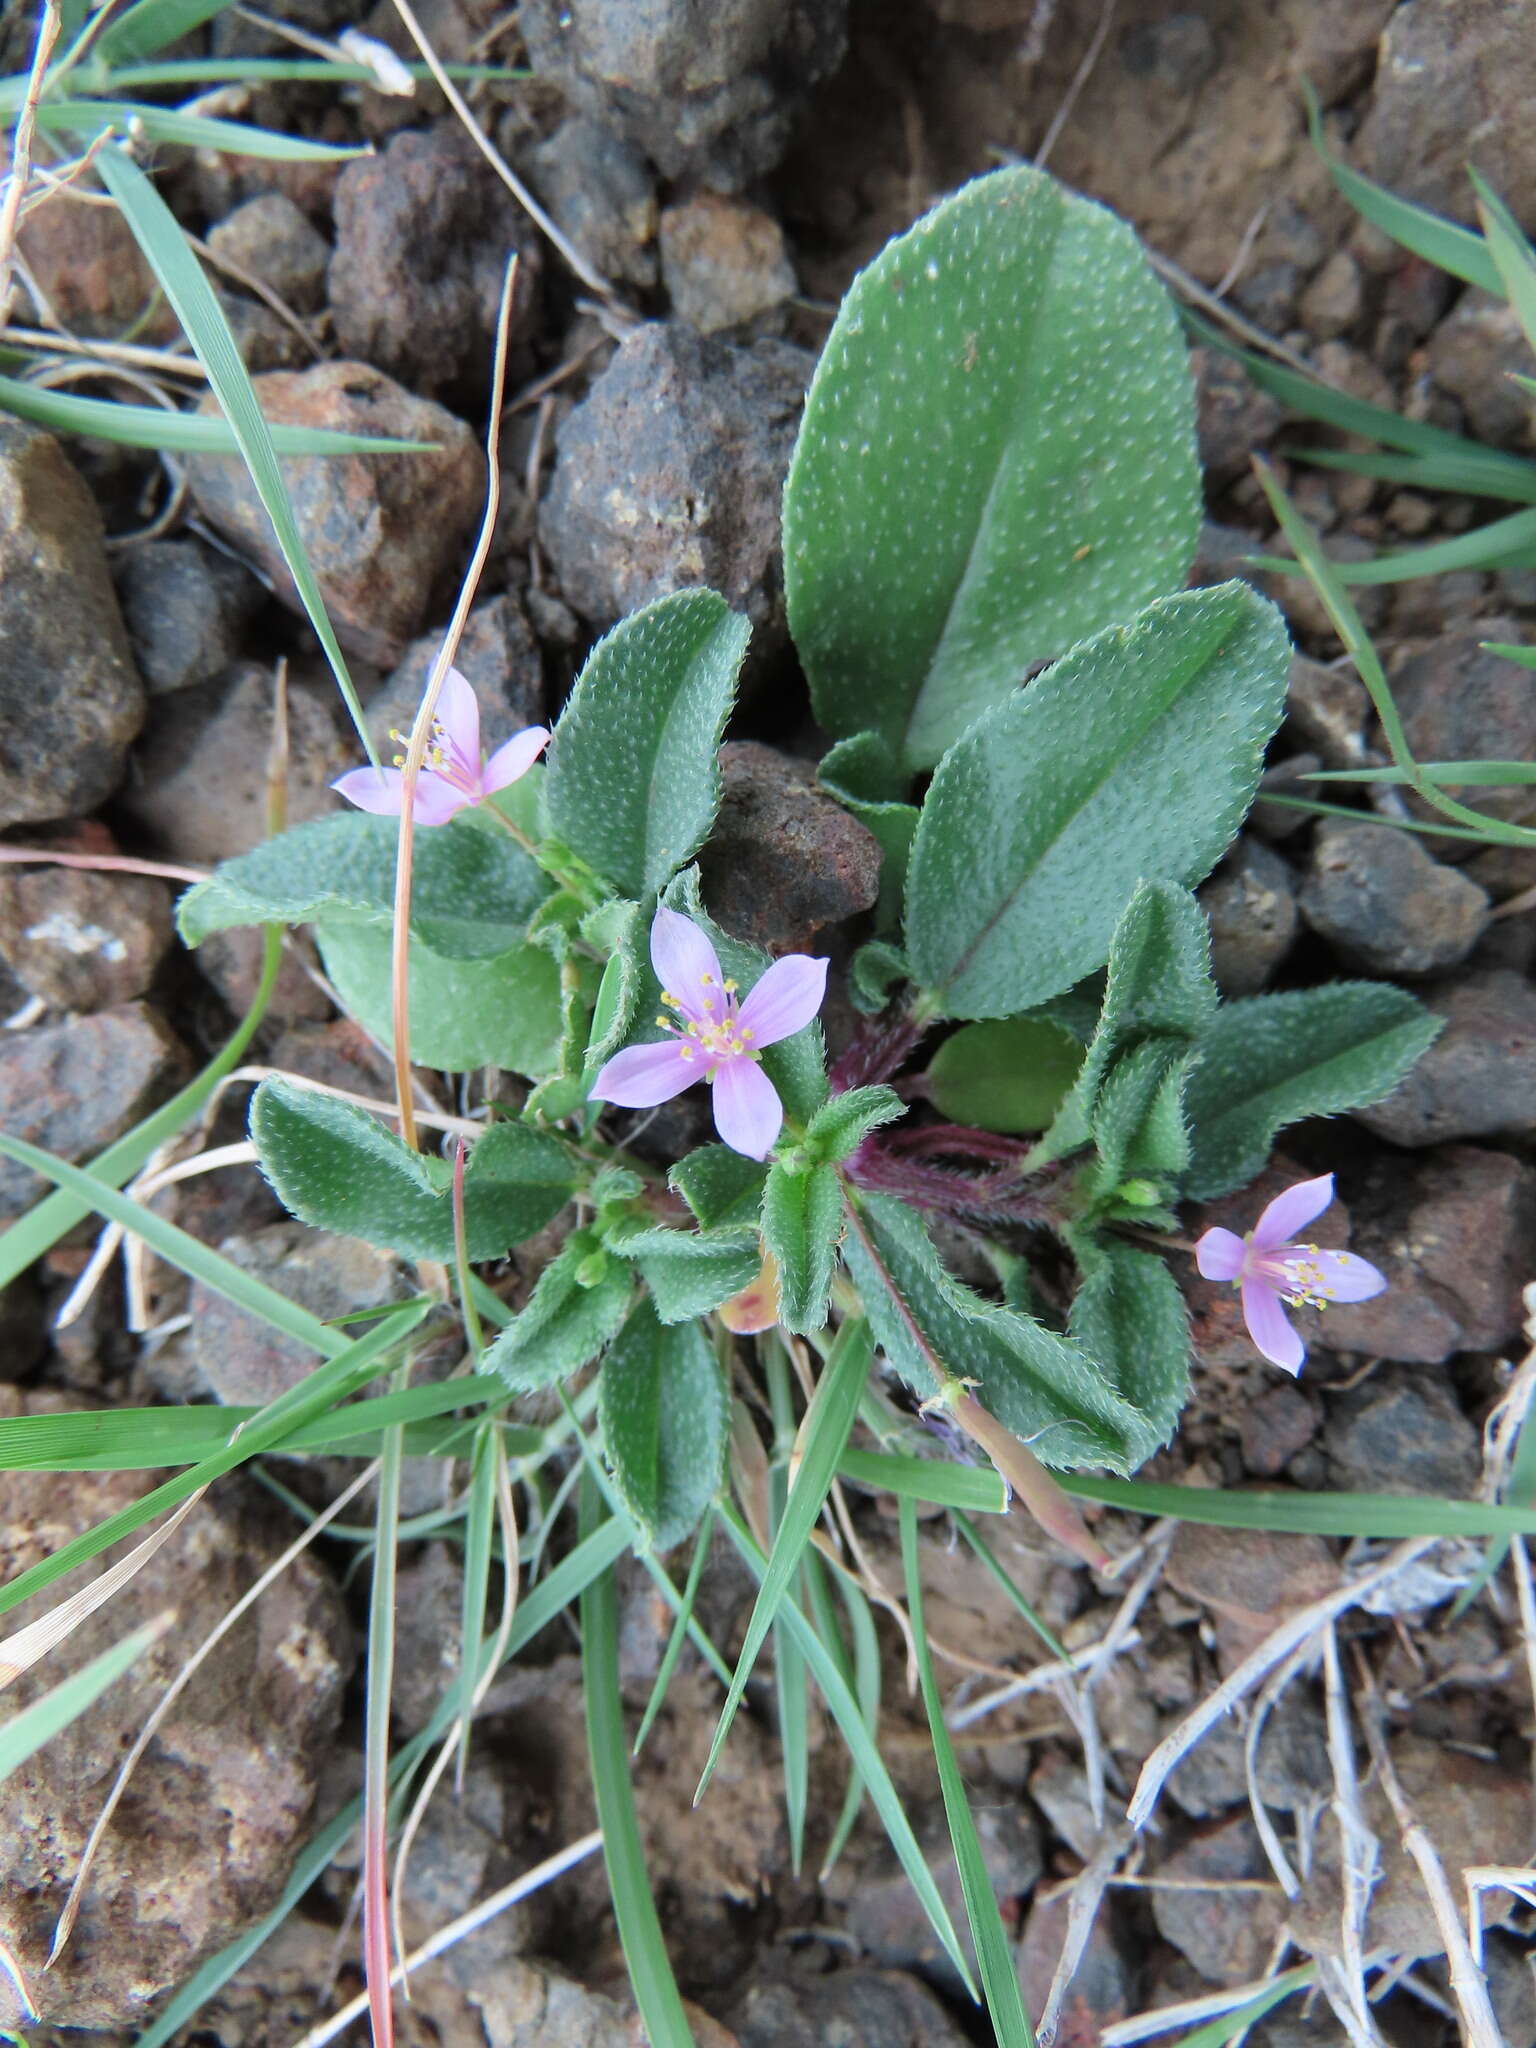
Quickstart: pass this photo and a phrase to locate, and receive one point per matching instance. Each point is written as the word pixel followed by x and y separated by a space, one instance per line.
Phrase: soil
pixel 728 175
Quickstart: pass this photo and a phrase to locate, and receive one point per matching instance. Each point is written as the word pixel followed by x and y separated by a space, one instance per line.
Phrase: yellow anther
pixel 730 987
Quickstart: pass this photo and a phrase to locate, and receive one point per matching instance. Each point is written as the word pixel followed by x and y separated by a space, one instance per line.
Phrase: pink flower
pixel 452 777
pixel 713 1037
pixel 1271 1269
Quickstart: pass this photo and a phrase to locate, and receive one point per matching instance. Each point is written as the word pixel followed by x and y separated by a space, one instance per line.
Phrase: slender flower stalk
pixel 712 1036
pixel 453 777
pixel 1272 1269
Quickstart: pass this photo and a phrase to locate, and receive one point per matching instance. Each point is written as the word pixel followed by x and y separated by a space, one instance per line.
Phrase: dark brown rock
pixel 273 241
pixel 1252 1577
pixel 854 2008
pixel 723 262
pixel 1274 1428
pixel 1328 709
pixel 1234 419
pixel 1471 355
pixel 1478 1079
pixel 83 940
pixel 1250 903
pixel 384 533
pixel 74 1086
pixel 70 697
pixel 1386 906
pixel 1401 1431
pixel 423 233
pixel 784 861
pixel 1103 1987
pixel 1460 703
pixel 221 1802
pixel 1227 1934
pixel 186 607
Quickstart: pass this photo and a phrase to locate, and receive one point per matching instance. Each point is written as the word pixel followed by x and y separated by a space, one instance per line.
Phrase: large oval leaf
pixel 1135 757
pixel 997 459
pixel 662 1406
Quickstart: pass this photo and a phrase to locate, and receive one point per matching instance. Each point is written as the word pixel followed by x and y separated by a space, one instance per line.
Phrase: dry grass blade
pixel 1042 1676
pixel 1087 1896
pixel 173 1692
pixel 50 21
pixel 107 863
pixel 1360 1855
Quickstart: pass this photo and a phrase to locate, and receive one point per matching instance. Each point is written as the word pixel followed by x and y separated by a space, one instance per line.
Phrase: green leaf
pixel 149 25
pixel 634 782
pixel 564 1325
pixel 873 972
pixel 802 1222
pixel 662 1406
pixel 86 119
pixel 690 1272
pixel 1270 1060
pixel 472 890
pixel 997 458
pixel 1005 1075
pixel 25 1733
pixel 1510 251
pixel 971 1488
pixel 1130 1316
pixel 1134 757
pixel 337 1167
pixel 158 234
pixel 624 980
pixel 865 777
pixel 181 433
pixel 720 1186
pixel 497 1012
pixel 841 1125
pixel 1138 1118
pixel 1043 1387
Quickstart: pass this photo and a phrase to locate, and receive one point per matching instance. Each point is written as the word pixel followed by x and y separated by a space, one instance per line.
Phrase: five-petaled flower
pixel 452 776
pixel 1271 1269
pixel 713 1037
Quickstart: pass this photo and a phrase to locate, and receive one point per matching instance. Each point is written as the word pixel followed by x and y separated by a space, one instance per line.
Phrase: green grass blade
pixel 1488 475
pixel 1500 543
pixel 1227 2026
pixel 867 1680
pixel 196 71
pixel 479 1543
pixel 931 1479
pixel 179 433
pixel 995 1571
pixel 1481 774
pixel 994 1957
pixel 156 231
pixel 1510 251
pixel 789 1673
pixel 845 1711
pixel 86 119
pixel 1310 1514
pixel 149 25
pixel 681 1622
pixel 645 1952
pixel 1526 656
pixel 1321 810
pixel 25 1733
pixel 328 1385
pixel 827 1423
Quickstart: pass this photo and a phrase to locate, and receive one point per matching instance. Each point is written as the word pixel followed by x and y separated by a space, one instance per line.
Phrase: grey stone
pixel 1402 1432
pixel 1226 1934
pixel 75 1086
pixel 221 1802
pixel 1291 1767
pixel 1478 1079
pixel 1104 1986
pixel 1471 355
pixel 723 262
pixel 186 606
pixel 1233 417
pixel 82 939
pixel 1327 708
pixel 1250 903
pixel 1272 1429
pixel 70 697
pixel 1386 906
pixel 852 2008
pixel 1460 703
pixel 668 476
pixel 599 191
pixel 709 92
pixel 273 241
pixel 1335 299
pixel 1510 1967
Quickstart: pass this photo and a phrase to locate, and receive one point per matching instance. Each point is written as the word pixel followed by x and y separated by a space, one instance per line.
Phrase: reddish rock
pixel 1274 1428
pixel 1478 1079
pixel 80 939
pixel 784 862
pixel 723 262
pixel 1227 1934
pixel 1251 1577
pixel 92 272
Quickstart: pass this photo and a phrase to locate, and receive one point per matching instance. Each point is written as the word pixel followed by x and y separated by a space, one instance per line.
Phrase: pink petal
pixel 458 713
pixel 1345 1277
pixel 748 1112
pixel 644 1075
pixel 1291 1212
pixel 372 789
pixel 686 965
pixel 436 800
pixel 785 1000
pixel 1268 1328
pixel 514 757
pixel 1220 1254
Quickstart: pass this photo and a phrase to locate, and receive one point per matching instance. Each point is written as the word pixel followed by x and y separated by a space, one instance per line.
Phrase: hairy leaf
pixel 662 1405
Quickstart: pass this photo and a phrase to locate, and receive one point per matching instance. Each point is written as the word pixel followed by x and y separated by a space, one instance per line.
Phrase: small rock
pixel 1272 1429
pixel 1335 299
pixel 1251 906
pixel 247 1362
pixel 1268 294
pixel 200 791
pixel 233 960
pixel 1478 1079
pixel 1386 906
pixel 75 1086
pixel 723 262
pixel 499 656
pixel 711 93
pixel 1460 703
pixel 1060 1789
pixel 428 1611
pixel 264 341
pixel 181 1871
pixel 599 191
pixel 186 607
pixel 784 861
pixel 383 532
pixel 1102 1989
pixel 1454 80
pixel 70 699
pixel 270 239
pixel 1226 1933
pixel 1471 355
pixel 1328 709
pixel 423 233
pixel 1452 1234
pixel 92 272
pixel 1253 1577
pixel 1402 1432
pixel 669 475
pixel 1233 417
pixel 1291 1763
pixel 83 940
pixel 850 2008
